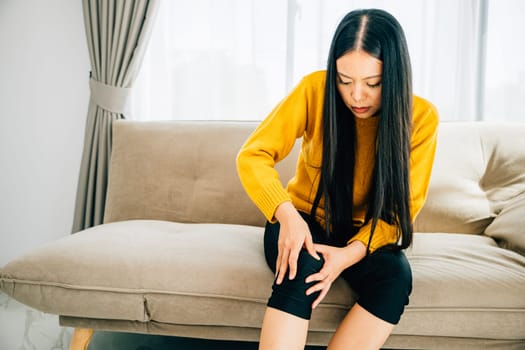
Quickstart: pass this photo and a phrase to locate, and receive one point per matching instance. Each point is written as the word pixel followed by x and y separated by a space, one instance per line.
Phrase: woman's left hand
pixel 336 260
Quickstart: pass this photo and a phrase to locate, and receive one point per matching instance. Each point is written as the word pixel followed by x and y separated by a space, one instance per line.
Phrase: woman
pixel 362 176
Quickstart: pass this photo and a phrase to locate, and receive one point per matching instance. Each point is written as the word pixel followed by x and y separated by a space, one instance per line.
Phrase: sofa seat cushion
pixel 161 271
pixel 465 286
pixel 215 274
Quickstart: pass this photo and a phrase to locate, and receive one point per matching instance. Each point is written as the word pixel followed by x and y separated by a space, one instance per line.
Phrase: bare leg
pixel 81 338
pixel 360 330
pixel 281 330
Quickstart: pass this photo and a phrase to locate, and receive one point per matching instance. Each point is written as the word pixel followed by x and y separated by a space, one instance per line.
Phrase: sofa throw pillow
pixel 508 228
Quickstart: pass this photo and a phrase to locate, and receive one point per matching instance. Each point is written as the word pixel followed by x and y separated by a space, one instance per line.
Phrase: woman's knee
pixel 290 295
pixel 393 268
pixel 399 268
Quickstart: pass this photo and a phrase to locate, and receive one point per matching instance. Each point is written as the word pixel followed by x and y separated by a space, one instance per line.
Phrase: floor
pixel 24 328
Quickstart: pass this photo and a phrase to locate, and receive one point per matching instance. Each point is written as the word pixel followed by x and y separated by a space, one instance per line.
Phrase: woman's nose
pixel 357 93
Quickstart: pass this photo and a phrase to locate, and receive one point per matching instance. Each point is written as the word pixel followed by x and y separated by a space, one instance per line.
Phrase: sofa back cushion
pixel 182 171
pixel 185 171
pixel 478 179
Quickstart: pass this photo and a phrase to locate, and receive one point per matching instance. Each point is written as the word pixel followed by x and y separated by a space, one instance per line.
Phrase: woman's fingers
pixel 323 287
pixel 319 276
pixel 292 261
pixel 321 296
pixel 282 265
pixel 310 247
pixel 278 263
pixel 289 254
pixel 288 261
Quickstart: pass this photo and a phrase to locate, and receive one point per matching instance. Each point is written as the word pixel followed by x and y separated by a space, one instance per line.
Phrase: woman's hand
pixel 336 260
pixel 294 234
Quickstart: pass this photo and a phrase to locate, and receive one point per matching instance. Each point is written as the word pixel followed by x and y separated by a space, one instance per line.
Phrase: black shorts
pixel 382 280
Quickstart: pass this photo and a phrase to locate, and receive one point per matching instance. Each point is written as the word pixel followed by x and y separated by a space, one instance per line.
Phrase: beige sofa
pixel 181 249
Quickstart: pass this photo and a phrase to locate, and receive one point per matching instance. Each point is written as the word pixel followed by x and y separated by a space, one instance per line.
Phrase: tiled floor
pixel 23 328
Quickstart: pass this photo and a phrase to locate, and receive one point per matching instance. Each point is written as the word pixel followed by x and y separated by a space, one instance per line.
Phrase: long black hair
pixel 379 34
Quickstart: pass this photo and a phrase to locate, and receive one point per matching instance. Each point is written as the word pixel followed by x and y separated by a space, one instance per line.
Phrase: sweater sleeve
pixel 271 142
pixel 423 148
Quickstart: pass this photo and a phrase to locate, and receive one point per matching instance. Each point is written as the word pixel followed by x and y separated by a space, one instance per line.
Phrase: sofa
pixel 181 248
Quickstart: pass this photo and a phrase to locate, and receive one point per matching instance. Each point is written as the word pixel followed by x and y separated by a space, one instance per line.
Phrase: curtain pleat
pixel 117 33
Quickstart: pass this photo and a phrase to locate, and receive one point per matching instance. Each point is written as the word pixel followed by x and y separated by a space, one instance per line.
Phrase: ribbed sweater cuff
pixel 270 197
pixel 385 234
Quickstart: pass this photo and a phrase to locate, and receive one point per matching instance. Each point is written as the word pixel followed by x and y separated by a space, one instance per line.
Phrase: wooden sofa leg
pixel 81 338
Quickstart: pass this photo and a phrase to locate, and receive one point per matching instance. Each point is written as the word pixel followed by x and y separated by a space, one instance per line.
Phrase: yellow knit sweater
pixel 300 116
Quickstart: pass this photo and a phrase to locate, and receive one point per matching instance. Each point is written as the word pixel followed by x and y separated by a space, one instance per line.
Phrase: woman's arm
pixel 271 142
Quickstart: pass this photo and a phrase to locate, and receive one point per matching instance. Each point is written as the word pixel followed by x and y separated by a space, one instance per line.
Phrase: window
pixel 236 59
pixel 504 79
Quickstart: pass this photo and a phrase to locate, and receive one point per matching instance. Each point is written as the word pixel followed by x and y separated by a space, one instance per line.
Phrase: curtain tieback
pixel 110 98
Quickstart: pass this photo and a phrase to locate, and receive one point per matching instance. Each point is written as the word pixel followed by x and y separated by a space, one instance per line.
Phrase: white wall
pixel 44 94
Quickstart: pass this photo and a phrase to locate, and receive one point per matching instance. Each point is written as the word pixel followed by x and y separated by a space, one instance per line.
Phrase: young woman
pixel 362 176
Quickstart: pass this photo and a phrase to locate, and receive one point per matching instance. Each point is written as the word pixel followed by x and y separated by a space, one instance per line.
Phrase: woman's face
pixel 359 82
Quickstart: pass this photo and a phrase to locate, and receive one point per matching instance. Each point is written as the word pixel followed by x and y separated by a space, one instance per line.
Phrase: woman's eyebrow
pixel 370 77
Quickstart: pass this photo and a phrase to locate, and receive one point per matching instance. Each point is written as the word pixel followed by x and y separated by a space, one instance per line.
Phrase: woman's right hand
pixel 294 234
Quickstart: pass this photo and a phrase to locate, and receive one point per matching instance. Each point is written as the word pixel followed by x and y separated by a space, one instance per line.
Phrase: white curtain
pixel 235 59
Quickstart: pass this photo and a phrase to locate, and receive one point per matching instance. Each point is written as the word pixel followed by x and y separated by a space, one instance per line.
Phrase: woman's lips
pixel 360 110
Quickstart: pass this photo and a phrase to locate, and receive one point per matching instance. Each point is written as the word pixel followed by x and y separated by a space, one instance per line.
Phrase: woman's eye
pixel 374 85
pixel 342 82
